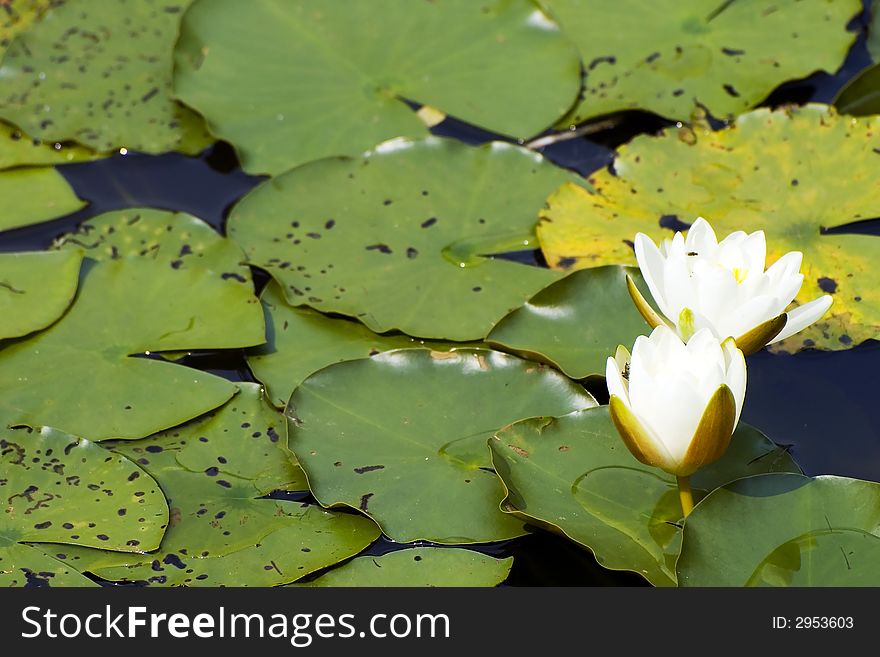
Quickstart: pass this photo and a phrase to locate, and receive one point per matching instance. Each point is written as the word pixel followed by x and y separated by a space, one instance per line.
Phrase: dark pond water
pixel 824 405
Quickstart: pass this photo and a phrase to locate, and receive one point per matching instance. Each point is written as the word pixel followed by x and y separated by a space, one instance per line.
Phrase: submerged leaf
pixel 287 82
pixel 402 437
pixel 573 475
pixel 66 490
pixel 795 173
pixel 402 237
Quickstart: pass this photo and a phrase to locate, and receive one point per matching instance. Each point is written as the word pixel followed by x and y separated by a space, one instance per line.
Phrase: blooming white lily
pixel 674 404
pixel 698 282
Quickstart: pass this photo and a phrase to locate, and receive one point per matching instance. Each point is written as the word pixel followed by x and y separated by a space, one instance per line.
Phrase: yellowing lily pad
pixel 401 239
pixel 62 489
pixel 793 173
pixel 17 16
pixel 34 195
pixel 301 341
pixel 35 289
pixel 290 81
pixel 574 476
pixel 80 374
pixel 214 471
pixel 17 149
pixel 415 458
pixel 669 56
pixel 418 567
pixel 100 75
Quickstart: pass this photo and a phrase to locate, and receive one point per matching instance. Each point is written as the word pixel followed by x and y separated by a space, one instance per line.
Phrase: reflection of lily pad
pixel 79 375
pixel 575 323
pixel 35 289
pixel 31 196
pixel 399 239
pixel 415 457
pixel 100 75
pixel 421 566
pixel 293 81
pixel 573 475
pixel 300 341
pixel 784 530
pixel 62 489
pixel 213 471
pixel 793 173
pixel 725 55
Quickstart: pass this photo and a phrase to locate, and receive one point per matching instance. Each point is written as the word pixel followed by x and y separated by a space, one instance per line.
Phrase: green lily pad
pixel 576 323
pixel 35 289
pixel 100 76
pixel 67 490
pixel 300 341
pixel 32 196
pixel 784 530
pixel 726 56
pixel 17 16
pixel 176 239
pixel 400 238
pixel 861 95
pixel 79 376
pixel 213 471
pixel 17 149
pixel 415 457
pixel 573 475
pixel 418 567
pixel 793 173
pixel 250 69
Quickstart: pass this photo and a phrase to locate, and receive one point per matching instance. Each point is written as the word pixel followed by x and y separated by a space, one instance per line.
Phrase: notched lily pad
pixel 573 475
pixel 402 237
pixel 100 76
pixel 576 323
pixel 66 490
pixel 223 533
pixel 784 530
pixel 34 195
pixel 80 374
pixel 418 567
pixel 799 174
pixel 724 55
pixel 414 458
pixel 35 289
pixel 249 68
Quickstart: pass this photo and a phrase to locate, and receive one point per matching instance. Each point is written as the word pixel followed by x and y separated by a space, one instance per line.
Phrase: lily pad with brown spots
pixel 722 55
pixel 414 458
pixel 70 492
pixel 403 237
pixel 18 149
pixel 99 74
pixel 802 175
pixel 215 472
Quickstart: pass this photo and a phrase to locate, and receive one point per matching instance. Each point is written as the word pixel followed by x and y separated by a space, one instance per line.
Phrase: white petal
pixel 651 265
pixel 787 265
pixel 743 319
pixel 615 382
pixel 755 251
pixel 802 316
pixel 736 374
pixel 701 238
pixel 678 287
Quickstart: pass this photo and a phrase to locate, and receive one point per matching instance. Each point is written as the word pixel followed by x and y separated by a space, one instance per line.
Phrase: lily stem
pixel 686 496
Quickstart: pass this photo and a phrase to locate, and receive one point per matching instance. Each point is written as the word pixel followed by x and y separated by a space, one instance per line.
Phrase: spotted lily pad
pixel 100 75
pixel 724 55
pixel 17 16
pixel 421 566
pixel 34 195
pixel 300 341
pixel 784 530
pixel 415 457
pixel 66 490
pixel 175 239
pixel 400 239
pixel 223 533
pixel 35 289
pixel 250 69
pixel 575 323
pixel 17 149
pixel 79 375
pixel 795 173
pixel 573 475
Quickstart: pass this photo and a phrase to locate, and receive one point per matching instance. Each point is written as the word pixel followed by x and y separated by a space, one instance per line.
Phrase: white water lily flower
pixel 676 405
pixel 698 282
